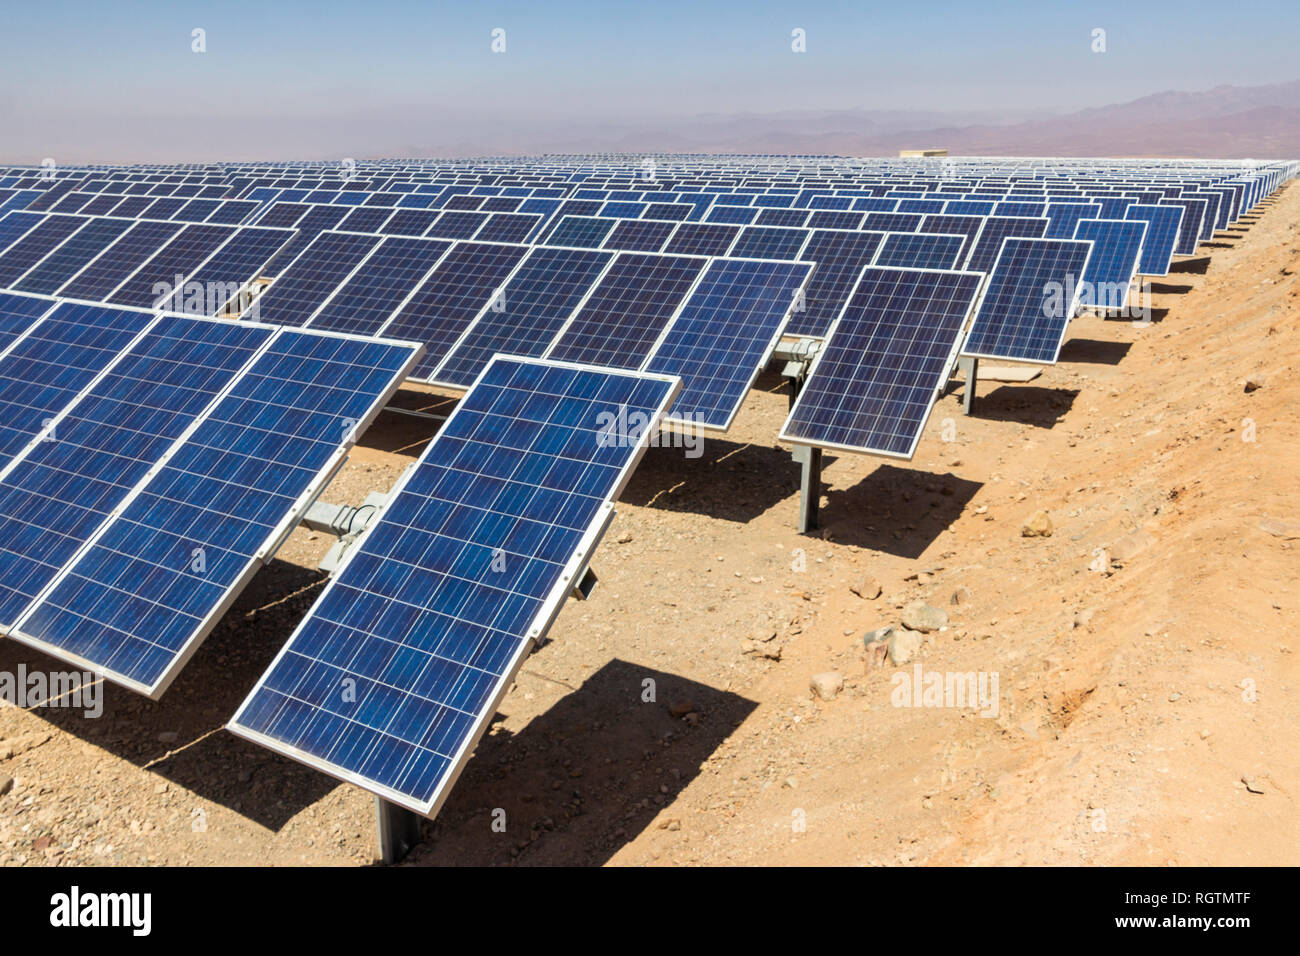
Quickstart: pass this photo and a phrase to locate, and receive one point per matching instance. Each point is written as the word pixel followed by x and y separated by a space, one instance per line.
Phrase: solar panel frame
pixel 537 627
pixel 1161 238
pixel 936 250
pixel 1109 264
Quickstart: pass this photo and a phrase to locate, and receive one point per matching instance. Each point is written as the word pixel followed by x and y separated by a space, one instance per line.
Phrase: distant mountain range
pixel 1259 122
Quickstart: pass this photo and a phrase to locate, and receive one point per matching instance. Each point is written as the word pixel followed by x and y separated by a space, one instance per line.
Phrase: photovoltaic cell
pixel 535 303
pixel 241 260
pixel 133 603
pixel 435 608
pixel 35 245
pixel 318 219
pixel 1163 223
pixel 893 221
pixel 1032 295
pixel 873 384
pixel 840 257
pixel 639 235
pixel 391 273
pixel 57 495
pixel 18 313
pixel 185 253
pixel 769 242
pixel 701 239
pixel 997 228
pixel 508 227
pixel 1063 217
pixel 968 226
pixel 71 257
pixel 724 333
pixel 582 232
pixel 920 250
pixel 457 225
pixel 410 222
pixel 310 279
pixel 15 225
pixel 1109 273
pixel 461 286
pixel 626 312
pixel 111 267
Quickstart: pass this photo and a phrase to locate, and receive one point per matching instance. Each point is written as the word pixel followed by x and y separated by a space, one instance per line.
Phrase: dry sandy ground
pixel 1146 652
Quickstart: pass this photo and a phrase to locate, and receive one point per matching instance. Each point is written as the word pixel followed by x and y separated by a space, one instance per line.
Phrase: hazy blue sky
pixel 364 78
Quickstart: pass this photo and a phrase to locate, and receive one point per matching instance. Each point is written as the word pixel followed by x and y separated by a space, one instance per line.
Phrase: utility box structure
pixel 914 153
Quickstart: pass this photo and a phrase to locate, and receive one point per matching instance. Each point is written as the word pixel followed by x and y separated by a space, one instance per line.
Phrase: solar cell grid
pixel 454 224
pixel 69 258
pixel 996 228
pixel 639 235
pixel 1108 275
pixel 508 227
pixel 305 284
pixel 701 239
pixel 35 244
pixel 434 611
pixel 874 382
pixel 228 272
pixel 920 250
pixel 364 303
pixel 583 232
pixel 627 311
pixel 1163 223
pixel 155 281
pixel 769 242
pixel 840 257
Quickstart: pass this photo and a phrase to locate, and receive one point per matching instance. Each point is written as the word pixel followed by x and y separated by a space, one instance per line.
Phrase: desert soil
pixel 1145 651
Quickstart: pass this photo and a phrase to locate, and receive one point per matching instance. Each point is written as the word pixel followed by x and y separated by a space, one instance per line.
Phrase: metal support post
pixel 397 828
pixel 970 368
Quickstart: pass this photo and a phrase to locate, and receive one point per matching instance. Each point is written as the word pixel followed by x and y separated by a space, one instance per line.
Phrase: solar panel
pixel 724 334
pixel 364 219
pixel 840 257
pixel 508 227
pixel 996 228
pixel 888 355
pixel 196 210
pixel 139 599
pixel 457 225
pixel 55 497
pixel 1020 209
pixel 1163 223
pixel 671 211
pixel 968 226
pixel 1109 273
pixel 229 271
pixel 830 219
pixel 533 306
pixel 410 222
pixel 1190 230
pixel 893 221
pixel 785 217
pixel 639 235
pixel 701 239
pixel 363 303
pixel 769 242
pixel 1032 294
pixel 15 225
pixel 1063 217
pixel 732 215
pixel 35 245
pixel 18 313
pixel 581 232
pixel 232 213
pixel 156 280
pixel 71 257
pixel 318 219
pixel 107 271
pixel 619 323
pixel 458 290
pixel 920 250
pixel 310 279
pixel 437 605
pixel 283 214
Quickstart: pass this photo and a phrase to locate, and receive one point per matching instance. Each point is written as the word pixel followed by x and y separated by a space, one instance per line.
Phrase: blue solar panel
pixel 792 217
pixel 533 307
pixel 1163 223
pixel 969 207
pixel 829 219
pixel 1109 273
pixel 36 245
pixel 71 257
pixel 1062 218
pixel 461 286
pixel 457 224
pixel 364 219
pixel 508 227
pixel 1020 209
pixel 920 250
pixel 155 281
pixel 1032 295
pixel 769 242
pixel 874 382
pixel 581 232
pixel 840 257
pixel 311 278
pixel 410 222
pixel 701 239
pixel 435 608
pixel 732 215
pixel 724 333
pixel 136 603
pixel 56 496
pixel 108 270
pixel 1190 230
pixel 639 235
pixel 627 311
pixel 232 267
pixel 893 221
pixel 15 225
pixel 309 226
pixel 968 226
pixel 996 228
pixel 18 313
pixel 391 273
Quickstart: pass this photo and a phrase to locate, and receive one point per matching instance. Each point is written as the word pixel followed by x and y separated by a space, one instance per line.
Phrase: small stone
pixel 919 616
pixel 1084 616
pixel 1175 697
pixel 961 596
pixel 770 650
pixel 827 684
pixel 625 538
pixel 1253 384
pixel 790 783
pixel 903 645
pixel 680 708
pixel 671 823
pixel 6 783
pixel 868 588
pixel 879 634
pixel 1037 525
pixel 168 737
pixel 1205 735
